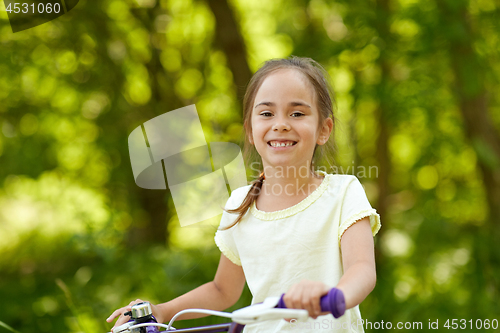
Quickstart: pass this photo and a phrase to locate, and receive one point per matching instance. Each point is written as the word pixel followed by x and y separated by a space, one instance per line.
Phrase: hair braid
pixel 253 193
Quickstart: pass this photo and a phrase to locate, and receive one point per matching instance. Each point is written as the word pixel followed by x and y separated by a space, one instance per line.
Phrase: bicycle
pixel 272 308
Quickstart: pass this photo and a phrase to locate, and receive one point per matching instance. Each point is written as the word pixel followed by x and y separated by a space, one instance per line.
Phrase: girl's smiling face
pixel 285 120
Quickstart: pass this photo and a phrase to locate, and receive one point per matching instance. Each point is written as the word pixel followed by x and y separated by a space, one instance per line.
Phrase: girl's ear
pixel 325 131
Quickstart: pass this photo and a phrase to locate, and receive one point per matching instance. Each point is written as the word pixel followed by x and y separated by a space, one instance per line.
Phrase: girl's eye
pixel 297 114
pixel 266 114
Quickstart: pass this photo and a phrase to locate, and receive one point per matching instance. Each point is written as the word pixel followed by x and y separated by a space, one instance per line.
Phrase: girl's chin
pixel 285 163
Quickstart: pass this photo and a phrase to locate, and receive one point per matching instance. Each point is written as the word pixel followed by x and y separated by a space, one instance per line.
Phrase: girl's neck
pixel 281 190
pixel 290 182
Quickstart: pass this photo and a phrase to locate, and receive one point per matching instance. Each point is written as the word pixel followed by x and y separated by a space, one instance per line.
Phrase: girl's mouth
pixel 281 144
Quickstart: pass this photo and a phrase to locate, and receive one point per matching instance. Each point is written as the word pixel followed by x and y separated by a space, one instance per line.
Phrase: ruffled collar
pixel 283 213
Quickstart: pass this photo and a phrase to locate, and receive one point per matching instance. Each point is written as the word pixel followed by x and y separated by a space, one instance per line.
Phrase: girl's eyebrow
pixel 291 104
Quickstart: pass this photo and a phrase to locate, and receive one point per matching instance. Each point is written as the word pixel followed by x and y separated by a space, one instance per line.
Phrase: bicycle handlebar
pixel 141 313
pixel 333 302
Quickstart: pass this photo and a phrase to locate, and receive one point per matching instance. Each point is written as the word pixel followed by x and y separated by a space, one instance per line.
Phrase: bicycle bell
pixel 140 313
pixel 141 310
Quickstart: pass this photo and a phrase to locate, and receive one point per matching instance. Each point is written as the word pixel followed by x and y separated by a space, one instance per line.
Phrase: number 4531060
pixel 26 8
pixel 471 324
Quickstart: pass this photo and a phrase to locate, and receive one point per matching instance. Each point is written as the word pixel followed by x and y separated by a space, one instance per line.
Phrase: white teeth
pixel 281 144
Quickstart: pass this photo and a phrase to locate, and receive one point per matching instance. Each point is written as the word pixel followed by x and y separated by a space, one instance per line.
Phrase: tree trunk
pixel 153 202
pixel 471 94
pixel 229 38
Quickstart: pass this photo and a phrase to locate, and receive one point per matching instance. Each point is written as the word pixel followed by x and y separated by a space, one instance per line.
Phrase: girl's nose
pixel 281 124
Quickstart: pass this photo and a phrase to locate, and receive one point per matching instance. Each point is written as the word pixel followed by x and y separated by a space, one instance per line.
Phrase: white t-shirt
pixel 281 248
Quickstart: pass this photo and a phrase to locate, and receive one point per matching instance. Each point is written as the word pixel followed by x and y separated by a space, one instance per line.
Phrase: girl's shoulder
pixel 338 178
pixel 341 182
pixel 237 197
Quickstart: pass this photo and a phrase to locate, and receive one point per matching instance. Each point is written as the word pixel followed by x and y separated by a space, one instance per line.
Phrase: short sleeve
pixel 224 239
pixel 356 206
pixel 226 245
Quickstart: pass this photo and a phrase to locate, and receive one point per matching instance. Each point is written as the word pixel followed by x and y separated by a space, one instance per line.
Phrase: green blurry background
pixel 417 85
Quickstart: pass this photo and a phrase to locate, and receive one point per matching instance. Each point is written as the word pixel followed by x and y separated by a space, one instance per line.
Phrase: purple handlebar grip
pixel 333 302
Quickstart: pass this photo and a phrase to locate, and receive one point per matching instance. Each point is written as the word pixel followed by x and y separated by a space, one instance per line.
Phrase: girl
pixel 294 230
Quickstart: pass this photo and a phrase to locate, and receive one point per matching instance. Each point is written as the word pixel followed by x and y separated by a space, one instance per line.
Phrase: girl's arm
pixel 219 294
pixel 359 273
pixel 358 258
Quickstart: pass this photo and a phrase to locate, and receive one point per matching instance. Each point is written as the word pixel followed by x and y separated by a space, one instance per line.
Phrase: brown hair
pixel 317 77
